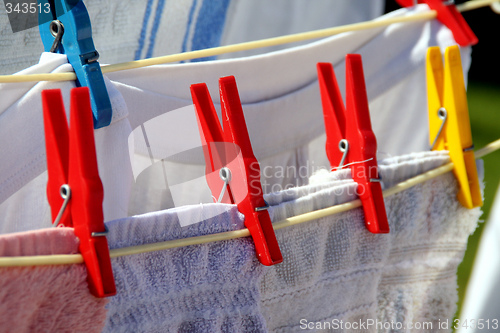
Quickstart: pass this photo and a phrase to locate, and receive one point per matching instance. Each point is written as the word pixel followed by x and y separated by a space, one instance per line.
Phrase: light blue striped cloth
pixel 126 30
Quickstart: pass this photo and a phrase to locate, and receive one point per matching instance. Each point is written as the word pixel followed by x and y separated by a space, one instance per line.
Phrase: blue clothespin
pixel 66 29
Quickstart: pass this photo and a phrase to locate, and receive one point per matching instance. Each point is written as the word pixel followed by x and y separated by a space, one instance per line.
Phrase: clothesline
pixel 68 259
pixel 428 15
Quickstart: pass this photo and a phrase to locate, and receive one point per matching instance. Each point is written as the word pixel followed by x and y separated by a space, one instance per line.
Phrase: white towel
pixel 333 268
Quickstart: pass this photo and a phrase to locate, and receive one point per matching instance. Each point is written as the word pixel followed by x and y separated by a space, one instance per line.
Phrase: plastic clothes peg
pixel 448 15
pixel 449 120
pixel 232 171
pixel 66 29
pixel 72 172
pixel 350 139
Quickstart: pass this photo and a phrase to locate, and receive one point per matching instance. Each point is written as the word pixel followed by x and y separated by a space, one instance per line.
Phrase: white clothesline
pixel 428 15
pixel 68 259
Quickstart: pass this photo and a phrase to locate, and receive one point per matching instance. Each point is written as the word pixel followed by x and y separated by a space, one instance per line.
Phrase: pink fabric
pixel 46 298
pixel 39 242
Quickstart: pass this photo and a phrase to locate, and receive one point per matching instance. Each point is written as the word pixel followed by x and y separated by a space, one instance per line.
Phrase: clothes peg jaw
pixel 446 95
pixel 448 15
pixel 229 147
pixel 217 152
pixel 57 152
pixel 66 29
pixel 351 125
pixel 72 162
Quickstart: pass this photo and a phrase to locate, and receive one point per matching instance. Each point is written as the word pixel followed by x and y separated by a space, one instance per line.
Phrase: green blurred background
pixel 484 110
pixel 483 95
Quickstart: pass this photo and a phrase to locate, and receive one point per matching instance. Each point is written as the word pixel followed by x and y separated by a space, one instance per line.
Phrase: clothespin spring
pixel 344 148
pixel 100 233
pixel 225 176
pixel 260 209
pixel 65 192
pixel 57 30
pixel 443 115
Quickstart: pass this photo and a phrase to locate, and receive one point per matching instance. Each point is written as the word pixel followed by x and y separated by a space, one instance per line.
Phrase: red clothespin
pixel 350 139
pixel 232 171
pixel 73 175
pixel 448 15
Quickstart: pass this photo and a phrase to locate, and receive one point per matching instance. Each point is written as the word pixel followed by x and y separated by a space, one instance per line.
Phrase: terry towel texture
pixel 46 298
pixel 333 268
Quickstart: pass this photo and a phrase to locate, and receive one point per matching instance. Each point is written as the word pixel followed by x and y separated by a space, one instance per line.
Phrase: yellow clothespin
pixel 449 120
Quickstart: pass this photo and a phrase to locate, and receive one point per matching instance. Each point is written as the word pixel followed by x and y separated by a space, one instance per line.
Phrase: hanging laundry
pixel 333 269
pixel 282 110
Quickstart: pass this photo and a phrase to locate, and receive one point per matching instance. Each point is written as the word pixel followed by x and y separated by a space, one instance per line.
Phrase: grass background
pixel 484 110
pixel 483 94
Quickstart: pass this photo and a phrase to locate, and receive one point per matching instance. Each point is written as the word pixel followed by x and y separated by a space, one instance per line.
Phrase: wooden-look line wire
pixel 70 76
pixel 311 216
